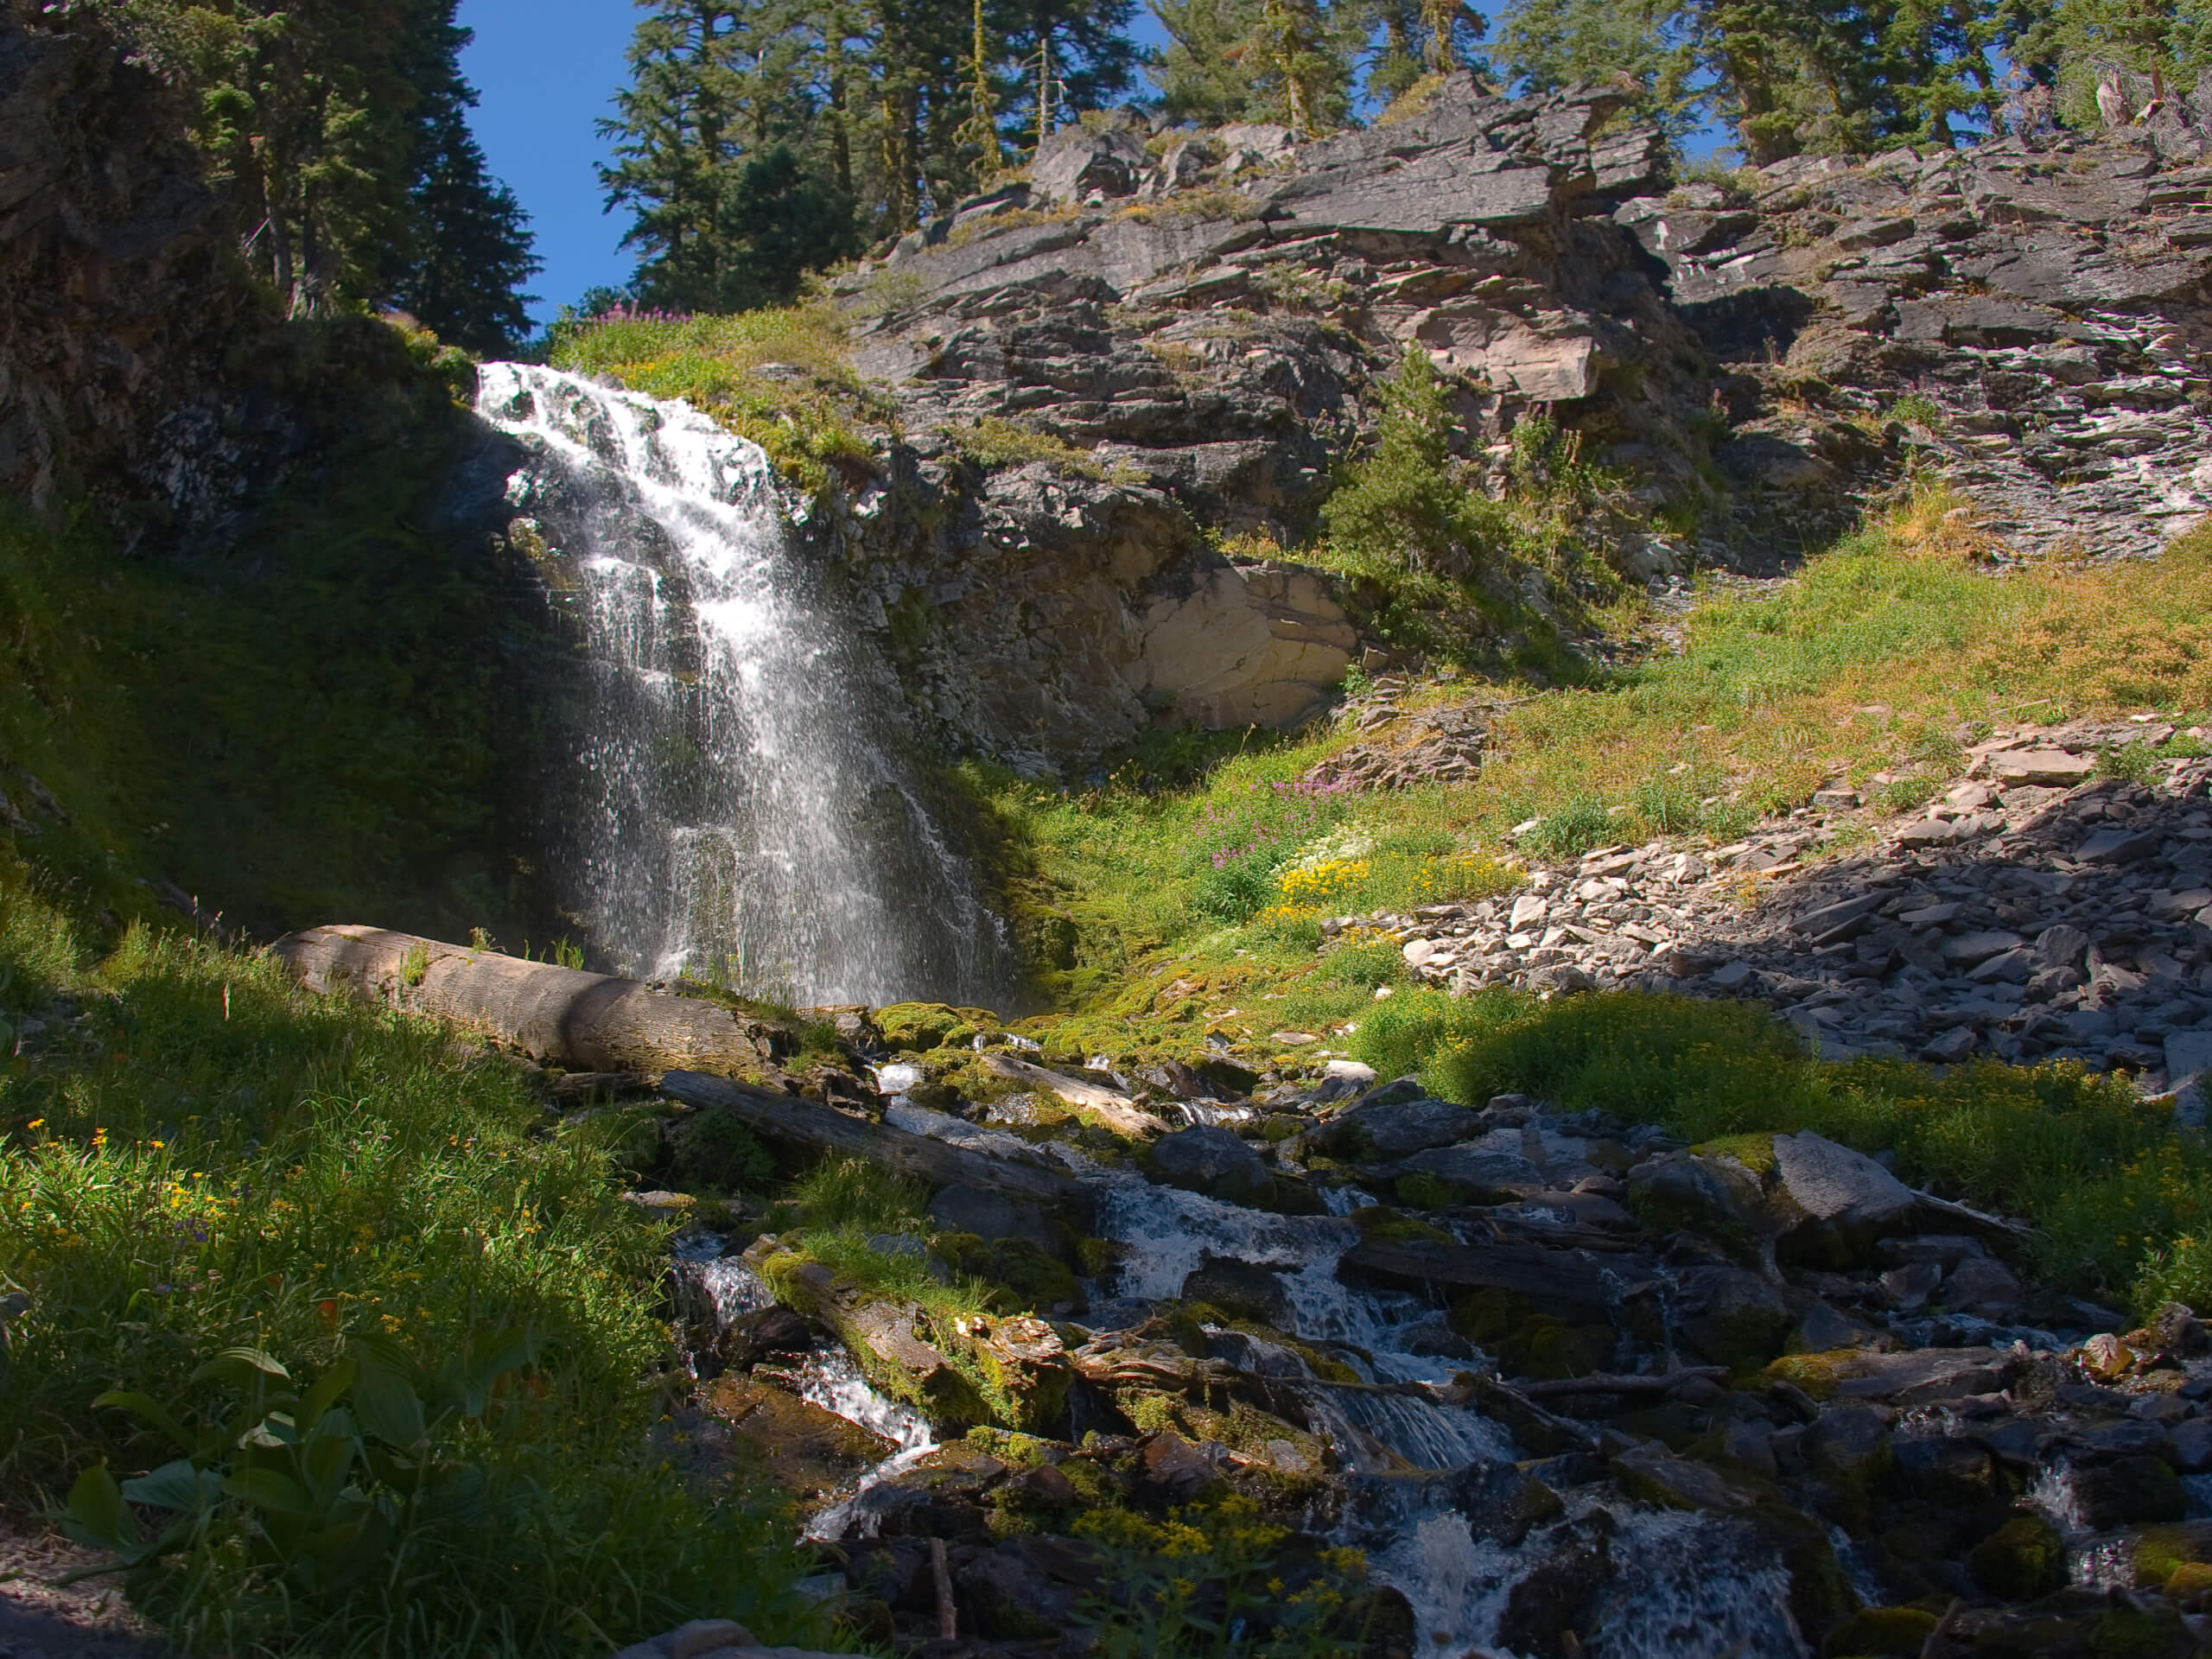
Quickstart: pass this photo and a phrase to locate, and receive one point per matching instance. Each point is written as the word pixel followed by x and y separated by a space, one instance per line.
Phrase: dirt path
pixel 87 1620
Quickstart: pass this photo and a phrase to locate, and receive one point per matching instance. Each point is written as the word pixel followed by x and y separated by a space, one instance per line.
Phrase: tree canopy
pixel 339 128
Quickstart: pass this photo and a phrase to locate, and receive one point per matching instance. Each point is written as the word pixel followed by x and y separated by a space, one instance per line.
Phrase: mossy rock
pixel 1754 1152
pixel 1817 1374
pixel 2142 1633
pixel 2022 1559
pixel 1490 1315
pixel 2161 1555
pixel 921 1027
pixel 1884 1631
pixel 1381 1221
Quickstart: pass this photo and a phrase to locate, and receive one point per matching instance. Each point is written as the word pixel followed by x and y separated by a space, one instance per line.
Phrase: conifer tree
pixel 1290 61
pixel 338 128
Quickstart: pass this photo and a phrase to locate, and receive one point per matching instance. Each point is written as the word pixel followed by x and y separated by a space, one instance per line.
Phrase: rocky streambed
pixel 1598 1394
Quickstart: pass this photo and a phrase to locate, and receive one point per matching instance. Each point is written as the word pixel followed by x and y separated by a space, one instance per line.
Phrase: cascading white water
pixel 1682 1586
pixel 745 817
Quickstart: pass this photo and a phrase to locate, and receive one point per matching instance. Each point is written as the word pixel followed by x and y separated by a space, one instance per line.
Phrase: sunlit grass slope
pixel 200 1157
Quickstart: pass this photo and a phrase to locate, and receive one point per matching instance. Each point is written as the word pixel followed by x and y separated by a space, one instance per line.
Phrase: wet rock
pixel 1730 1316
pixel 2023 1559
pixel 1946 1471
pixel 1240 1289
pixel 1580 1280
pixel 993 1216
pixel 1851 1443
pixel 802 1449
pixel 1471 1173
pixel 1026 1588
pixel 1211 1161
pixel 1656 1475
pixel 1381 1131
pixel 1503 1503
pixel 2125 1491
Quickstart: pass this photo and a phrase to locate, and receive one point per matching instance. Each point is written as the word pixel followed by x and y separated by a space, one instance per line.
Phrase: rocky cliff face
pixel 1197 321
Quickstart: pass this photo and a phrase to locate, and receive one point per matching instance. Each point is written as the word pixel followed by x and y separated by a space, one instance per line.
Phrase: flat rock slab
pixel 2044 768
pixel 2118 846
pixel 1396 1128
pixel 1576 1278
pixel 1924 1376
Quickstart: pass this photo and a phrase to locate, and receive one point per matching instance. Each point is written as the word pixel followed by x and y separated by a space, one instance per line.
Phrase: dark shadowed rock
pixel 1375 1131
pixel 1211 1161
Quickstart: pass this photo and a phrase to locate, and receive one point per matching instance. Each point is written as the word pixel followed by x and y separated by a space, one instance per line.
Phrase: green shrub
pixel 852 1193
pixel 1571 830
pixel 1406 504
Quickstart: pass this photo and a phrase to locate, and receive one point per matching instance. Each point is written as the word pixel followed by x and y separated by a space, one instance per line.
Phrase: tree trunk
pixel 565 1017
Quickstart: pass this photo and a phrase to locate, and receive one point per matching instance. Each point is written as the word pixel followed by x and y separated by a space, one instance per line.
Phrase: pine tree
pixel 1543 45
pixel 460 268
pixel 1290 61
pixel 1827 76
pixel 339 129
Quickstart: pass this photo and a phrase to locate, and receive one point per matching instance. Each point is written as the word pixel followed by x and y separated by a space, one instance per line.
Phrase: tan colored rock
pixel 2053 768
pixel 1256 644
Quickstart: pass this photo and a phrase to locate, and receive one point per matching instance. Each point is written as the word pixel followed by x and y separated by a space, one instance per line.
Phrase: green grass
pixel 316 723
pixel 2118 1198
pixel 778 376
pixel 201 1157
pixel 1885 656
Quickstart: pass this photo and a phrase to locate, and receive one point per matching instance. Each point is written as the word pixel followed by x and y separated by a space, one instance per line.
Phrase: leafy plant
pixel 1218 1579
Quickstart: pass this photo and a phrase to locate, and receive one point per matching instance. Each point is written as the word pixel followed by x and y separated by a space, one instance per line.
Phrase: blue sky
pixel 545 69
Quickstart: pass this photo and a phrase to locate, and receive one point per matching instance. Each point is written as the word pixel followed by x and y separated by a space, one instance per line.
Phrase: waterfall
pixel 745 815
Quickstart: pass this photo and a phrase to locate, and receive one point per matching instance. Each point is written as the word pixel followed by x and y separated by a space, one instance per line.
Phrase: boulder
pixel 1378 1131
pixel 1730 1316
pixel 1843 1199
pixel 1076 164
pixel 1652 1472
pixel 2023 1559
pixel 1240 1289
pixel 1213 1160
pixel 1471 1173
pixel 2127 1491
pixel 1849 1443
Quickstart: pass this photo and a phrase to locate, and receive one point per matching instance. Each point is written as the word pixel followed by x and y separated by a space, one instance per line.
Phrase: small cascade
pixel 1167 1233
pixel 1682 1584
pixel 745 817
pixel 714 1290
pixel 829 1379
pixel 1424 1434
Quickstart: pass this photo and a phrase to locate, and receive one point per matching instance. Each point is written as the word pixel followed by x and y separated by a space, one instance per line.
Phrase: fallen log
pixel 1606 1382
pixel 563 1016
pixel 805 1124
pixel 1115 1109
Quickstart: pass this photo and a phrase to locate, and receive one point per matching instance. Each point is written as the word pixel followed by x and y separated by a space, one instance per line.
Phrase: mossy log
pixel 563 1016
